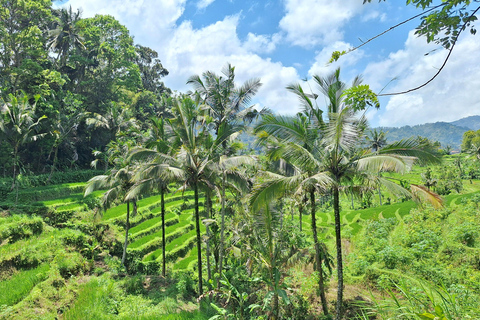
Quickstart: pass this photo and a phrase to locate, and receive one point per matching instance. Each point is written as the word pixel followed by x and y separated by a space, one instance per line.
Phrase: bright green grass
pixel 121 210
pixel 151 222
pixel 76 197
pixel 19 285
pixel 100 299
pixel 185 262
pixel 186 238
pixel 158 234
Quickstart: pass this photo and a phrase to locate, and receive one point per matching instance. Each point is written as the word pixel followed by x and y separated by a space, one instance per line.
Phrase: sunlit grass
pixel 19 285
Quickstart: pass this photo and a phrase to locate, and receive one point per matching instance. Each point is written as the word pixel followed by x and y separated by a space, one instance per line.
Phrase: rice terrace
pixel 129 191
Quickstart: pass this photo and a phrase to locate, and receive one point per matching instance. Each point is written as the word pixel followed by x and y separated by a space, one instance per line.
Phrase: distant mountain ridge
pixel 472 123
pixel 447 133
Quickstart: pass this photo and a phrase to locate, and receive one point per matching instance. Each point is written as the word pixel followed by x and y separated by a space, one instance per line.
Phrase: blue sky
pixel 287 41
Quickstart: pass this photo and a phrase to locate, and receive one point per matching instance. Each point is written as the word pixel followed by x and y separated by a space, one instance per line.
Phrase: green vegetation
pixel 180 221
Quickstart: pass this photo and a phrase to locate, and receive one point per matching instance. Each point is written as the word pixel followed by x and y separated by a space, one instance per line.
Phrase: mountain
pixel 472 123
pixel 447 133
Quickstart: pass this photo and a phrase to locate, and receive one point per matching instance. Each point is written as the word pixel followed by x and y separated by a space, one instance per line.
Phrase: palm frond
pixel 273 189
pixel 385 163
pixel 422 194
pixel 413 148
pixel 96 183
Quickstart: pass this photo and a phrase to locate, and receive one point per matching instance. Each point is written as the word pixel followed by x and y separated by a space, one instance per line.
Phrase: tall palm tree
pixel 66 34
pixel 158 169
pixel 228 106
pixel 296 143
pixel 332 153
pixel 376 140
pixel 117 182
pixel 195 155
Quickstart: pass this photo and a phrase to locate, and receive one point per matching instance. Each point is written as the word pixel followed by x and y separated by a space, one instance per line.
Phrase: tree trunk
pixel 222 230
pixel 127 226
pixel 162 204
pixel 380 195
pixel 53 165
pixel 338 240
pixel 318 257
pixel 300 214
pixel 207 209
pixel 15 153
pixel 353 207
pixel 199 240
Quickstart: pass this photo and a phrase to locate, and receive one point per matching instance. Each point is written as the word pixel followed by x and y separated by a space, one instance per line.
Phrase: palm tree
pixel 18 125
pixel 66 33
pixel 117 183
pixel 295 142
pixel 376 140
pixel 228 106
pixel 195 156
pixel 223 101
pixel 329 150
pixel 227 167
pixel 158 169
pixel 63 126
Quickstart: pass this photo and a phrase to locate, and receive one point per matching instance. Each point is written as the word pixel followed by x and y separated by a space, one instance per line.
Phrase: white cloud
pixel 451 96
pixel 202 4
pixel 312 22
pixel 374 15
pixel 149 21
pixel 261 43
pixel 193 51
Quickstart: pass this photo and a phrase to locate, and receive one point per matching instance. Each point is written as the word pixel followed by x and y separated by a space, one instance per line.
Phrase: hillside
pixel 447 133
pixel 472 123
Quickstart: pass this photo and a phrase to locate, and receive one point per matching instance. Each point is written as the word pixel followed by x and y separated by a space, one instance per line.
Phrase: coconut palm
pixel 66 33
pixel 222 100
pixel 376 140
pixel 157 170
pixel 117 182
pixel 295 143
pixel 197 148
pixel 327 152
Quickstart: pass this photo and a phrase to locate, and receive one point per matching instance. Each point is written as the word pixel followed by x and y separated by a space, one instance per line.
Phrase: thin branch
pixel 444 62
pixel 395 26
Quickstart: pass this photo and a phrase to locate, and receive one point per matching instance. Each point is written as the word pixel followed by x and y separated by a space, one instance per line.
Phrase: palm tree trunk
pixel 300 214
pixel 127 226
pixel 162 204
pixel 318 258
pixel 338 240
pixel 199 241
pixel 207 209
pixel 15 153
pixel 222 230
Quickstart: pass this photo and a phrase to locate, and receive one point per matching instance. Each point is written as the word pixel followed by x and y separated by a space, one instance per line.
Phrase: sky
pixel 289 41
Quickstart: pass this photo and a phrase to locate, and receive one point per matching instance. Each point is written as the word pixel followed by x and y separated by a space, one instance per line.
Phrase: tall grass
pixel 13 290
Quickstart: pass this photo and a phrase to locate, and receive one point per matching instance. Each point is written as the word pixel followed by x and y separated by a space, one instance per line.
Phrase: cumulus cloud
pixel 193 51
pixel 308 23
pixel 148 21
pixel 451 96
pixel 261 43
